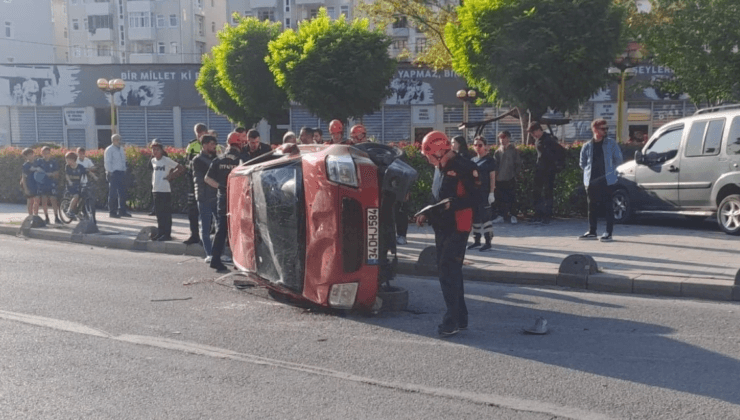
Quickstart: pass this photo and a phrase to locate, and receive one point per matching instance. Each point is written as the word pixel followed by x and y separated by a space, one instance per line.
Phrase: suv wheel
pixel 622 206
pixel 728 214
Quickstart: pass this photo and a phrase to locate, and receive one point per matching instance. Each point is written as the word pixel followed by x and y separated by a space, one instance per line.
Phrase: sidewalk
pixel 658 257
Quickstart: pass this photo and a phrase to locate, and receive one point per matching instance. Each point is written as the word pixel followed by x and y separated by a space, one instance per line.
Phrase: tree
pixel 427 16
pixel 699 41
pixel 217 98
pixel 239 59
pixel 535 54
pixel 336 69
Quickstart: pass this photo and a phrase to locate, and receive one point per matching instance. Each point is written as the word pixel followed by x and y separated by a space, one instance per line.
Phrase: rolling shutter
pixel 189 117
pixel 300 117
pixel 374 125
pixel 219 123
pixel 397 124
pixel 160 125
pixel 76 138
pixel 23 122
pixel 132 126
pixel 50 124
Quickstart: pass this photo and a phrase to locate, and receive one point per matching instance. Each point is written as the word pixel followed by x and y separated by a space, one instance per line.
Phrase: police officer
pixel 452 222
pixel 217 177
pixel 193 150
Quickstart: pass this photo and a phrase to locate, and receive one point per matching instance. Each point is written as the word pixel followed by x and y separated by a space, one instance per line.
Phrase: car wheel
pixel 394 298
pixel 728 214
pixel 622 206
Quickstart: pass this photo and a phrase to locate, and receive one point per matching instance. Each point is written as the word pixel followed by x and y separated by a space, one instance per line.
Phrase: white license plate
pixel 373 236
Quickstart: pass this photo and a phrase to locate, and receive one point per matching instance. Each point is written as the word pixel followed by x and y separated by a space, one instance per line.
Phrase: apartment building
pixel 139 31
pixel 26 37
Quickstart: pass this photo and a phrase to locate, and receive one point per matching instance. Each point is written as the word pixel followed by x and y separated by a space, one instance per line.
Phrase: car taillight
pixel 342 296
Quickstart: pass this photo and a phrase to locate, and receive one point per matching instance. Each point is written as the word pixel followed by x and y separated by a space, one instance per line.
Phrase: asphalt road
pixel 97 333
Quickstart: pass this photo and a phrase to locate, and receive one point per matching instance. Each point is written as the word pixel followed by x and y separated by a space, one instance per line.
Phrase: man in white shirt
pixel 114 161
pixel 165 170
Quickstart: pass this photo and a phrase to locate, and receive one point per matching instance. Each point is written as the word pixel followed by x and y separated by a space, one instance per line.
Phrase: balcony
pixel 144 58
pixel 308 2
pixel 400 32
pixel 140 6
pixel 102 34
pixel 101 59
pixel 93 9
pixel 142 34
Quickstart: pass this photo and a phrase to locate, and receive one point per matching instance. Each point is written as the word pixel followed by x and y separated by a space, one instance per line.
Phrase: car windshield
pixel 279 224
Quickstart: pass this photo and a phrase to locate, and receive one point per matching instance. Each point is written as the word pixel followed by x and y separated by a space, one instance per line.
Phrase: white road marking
pixel 502 401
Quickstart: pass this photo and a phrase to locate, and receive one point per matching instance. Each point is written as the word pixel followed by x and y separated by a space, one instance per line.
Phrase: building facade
pixel 26 37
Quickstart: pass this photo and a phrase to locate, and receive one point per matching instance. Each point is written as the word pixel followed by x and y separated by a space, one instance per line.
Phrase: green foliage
pixel 337 69
pixel 699 41
pixel 242 72
pixel 217 98
pixel 535 54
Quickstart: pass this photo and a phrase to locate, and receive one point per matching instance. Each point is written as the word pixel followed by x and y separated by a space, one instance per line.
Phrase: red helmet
pixel 335 126
pixel 435 142
pixel 234 138
pixel 356 130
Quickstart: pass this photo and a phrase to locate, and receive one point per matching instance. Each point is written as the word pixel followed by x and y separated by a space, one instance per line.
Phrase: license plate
pixel 373 236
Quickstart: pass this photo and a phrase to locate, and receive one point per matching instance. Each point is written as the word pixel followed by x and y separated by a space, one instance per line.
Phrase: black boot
pixel 476 241
pixel 487 246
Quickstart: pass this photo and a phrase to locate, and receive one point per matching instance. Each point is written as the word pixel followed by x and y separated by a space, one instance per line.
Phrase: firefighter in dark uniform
pixel 452 223
pixel 193 149
pixel 217 177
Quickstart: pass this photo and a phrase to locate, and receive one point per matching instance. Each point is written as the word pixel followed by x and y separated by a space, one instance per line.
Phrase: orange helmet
pixel 335 126
pixel 234 138
pixel 356 130
pixel 434 142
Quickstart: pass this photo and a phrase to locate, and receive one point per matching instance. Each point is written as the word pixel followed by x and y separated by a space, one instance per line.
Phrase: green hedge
pixel 570 196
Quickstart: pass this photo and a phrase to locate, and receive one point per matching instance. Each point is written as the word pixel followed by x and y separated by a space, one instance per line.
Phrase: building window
pixel 66 56
pixel 77 50
pixel 266 15
pixel 102 21
pixel 248 14
pixel 65 32
pixel 313 13
pixel 75 24
pixel 103 50
pixel 421 45
pixel 213 27
pixel 287 23
pixel 173 21
pixel 330 12
pixel 287 5
pixel 199 4
pixel 400 44
pixel 173 47
pixel 84 23
pixel 234 19
pixel 201 47
pixel 344 10
pixel 140 20
pixel 161 48
pixel 144 48
pixel 400 22
pixel 201 25
pixel 161 22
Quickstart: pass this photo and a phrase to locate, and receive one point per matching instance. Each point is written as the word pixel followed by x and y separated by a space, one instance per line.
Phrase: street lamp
pixel 111 86
pixel 622 71
pixel 467 96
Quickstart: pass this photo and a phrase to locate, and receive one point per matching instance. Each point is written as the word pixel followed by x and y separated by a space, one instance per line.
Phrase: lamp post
pixel 111 86
pixel 622 71
pixel 466 96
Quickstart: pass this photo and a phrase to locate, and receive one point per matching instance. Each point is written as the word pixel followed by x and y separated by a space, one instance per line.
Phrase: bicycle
pixel 85 206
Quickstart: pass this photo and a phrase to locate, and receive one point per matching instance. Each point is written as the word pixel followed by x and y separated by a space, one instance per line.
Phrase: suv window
pixel 705 140
pixel 733 141
pixel 714 137
pixel 696 137
pixel 665 147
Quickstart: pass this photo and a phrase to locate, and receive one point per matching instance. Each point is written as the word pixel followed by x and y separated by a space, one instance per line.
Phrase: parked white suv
pixel 690 167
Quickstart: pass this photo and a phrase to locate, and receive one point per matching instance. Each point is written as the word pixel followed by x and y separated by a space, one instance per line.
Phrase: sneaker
pixel 447 332
pixel 485 248
pixel 588 235
pixel 498 220
pixel 226 259
pixel 124 214
pixel 208 259
pixel 191 240
pixel 220 268
pixel 474 245
pixel 513 220
pixel 114 216
pixel 401 240
pixel 606 237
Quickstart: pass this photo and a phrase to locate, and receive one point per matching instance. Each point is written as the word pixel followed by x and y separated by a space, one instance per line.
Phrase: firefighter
pixel 452 223
pixel 335 131
pixel 358 133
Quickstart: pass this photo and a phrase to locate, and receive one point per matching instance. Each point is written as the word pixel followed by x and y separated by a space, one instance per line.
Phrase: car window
pixel 666 146
pixel 733 141
pixel 713 139
pixel 696 138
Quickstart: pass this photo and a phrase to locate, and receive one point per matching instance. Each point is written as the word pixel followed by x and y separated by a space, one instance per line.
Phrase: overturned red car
pixel 315 222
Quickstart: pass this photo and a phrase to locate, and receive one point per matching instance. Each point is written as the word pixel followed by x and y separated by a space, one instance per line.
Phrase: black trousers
pixel 193 215
pixel 219 241
pixel 450 255
pixel 402 219
pixel 544 183
pixel 163 207
pixel 600 201
pixel 505 198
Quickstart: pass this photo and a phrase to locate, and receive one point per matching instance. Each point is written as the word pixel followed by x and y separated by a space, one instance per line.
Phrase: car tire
pixel 728 214
pixel 394 299
pixel 622 206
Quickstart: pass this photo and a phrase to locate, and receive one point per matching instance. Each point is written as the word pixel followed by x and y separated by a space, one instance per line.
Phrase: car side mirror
pixel 639 158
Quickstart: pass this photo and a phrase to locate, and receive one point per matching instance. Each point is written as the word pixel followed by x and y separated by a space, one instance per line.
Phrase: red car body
pixel 319 233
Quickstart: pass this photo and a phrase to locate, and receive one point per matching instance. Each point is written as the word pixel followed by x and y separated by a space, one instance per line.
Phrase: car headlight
pixel 342 296
pixel 341 169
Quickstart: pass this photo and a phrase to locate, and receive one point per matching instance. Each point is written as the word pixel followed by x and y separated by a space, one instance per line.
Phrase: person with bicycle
pixel 73 173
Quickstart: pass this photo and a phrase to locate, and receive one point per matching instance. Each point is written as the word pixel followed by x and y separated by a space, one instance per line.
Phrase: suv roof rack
pixel 717 109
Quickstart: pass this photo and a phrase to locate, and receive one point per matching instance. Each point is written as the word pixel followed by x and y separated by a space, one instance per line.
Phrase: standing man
pixel 599 160
pixel 217 177
pixel 165 170
pixel 485 197
pixel 306 135
pixel 205 195
pixel 318 136
pixel 452 222
pixel 114 161
pixel 255 146
pixel 193 150
pixel 358 134
pixel 544 174
pixel 508 164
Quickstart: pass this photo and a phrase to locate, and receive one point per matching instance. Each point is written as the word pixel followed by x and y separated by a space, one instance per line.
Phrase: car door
pixel 657 174
pixel 701 163
pixel 733 146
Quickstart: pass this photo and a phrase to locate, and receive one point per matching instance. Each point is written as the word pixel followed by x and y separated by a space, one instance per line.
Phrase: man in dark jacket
pixel 192 150
pixel 255 147
pixel 544 174
pixel 452 220
pixel 205 195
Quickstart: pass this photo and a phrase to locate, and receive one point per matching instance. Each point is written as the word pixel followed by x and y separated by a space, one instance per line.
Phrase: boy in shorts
pixel 28 183
pixel 47 184
pixel 73 174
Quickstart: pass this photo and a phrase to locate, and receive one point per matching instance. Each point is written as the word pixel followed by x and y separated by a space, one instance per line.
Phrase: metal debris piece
pixel 539 327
